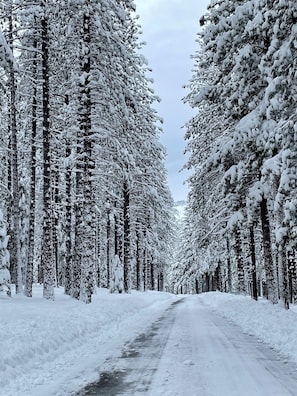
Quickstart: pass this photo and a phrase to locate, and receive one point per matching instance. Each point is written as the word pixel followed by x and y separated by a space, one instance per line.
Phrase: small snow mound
pixel 188 363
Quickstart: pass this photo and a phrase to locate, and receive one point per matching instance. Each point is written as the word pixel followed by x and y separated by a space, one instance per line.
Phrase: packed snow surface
pixel 208 355
pixel 53 348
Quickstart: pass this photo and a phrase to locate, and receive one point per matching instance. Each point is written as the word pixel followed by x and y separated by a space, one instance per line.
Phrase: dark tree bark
pixel 126 252
pixel 48 262
pixel 30 263
pixel 218 277
pixel 15 212
pixel 253 264
pixel 138 260
pixel 68 228
pixel 55 222
pixel 268 261
pixel 285 275
pixel 229 274
pixel 98 251
pixel 85 201
pixel 239 259
pixel 292 276
pixel 144 261
pixel 152 273
pixel 108 242
pixel 207 282
pixel 160 281
pixel 119 230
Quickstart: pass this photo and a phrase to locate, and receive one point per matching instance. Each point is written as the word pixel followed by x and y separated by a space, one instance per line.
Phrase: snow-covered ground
pixel 54 348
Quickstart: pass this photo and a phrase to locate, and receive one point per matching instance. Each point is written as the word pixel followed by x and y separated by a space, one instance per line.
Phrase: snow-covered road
pixel 192 351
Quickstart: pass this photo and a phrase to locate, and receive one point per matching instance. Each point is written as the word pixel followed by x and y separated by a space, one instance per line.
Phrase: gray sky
pixel 169 29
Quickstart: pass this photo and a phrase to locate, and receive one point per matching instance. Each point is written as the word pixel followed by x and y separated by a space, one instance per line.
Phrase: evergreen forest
pixel 240 230
pixel 84 195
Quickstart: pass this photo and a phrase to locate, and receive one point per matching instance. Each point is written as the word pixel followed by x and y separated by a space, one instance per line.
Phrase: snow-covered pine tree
pixel 278 68
pixel 129 156
pixel 10 16
pixel 149 193
pixel 29 79
pixel 236 36
pixel 6 62
pixel 206 135
pixel 238 82
pixel 6 59
pixel 48 259
pixel 90 104
pixel 85 212
pixel 262 132
pixel 36 123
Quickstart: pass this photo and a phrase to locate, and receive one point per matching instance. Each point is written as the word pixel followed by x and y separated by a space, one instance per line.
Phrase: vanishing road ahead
pixel 191 351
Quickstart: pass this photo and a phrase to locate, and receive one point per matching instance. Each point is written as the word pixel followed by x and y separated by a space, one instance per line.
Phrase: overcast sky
pixel 169 29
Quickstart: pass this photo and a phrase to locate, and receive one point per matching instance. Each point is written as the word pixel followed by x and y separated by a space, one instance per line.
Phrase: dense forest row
pixel 83 188
pixel 240 229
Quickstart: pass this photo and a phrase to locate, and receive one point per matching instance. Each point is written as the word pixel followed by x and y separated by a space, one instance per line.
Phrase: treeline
pixel 83 182
pixel 240 227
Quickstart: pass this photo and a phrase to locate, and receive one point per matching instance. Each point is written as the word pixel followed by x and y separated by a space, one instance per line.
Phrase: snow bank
pixel 270 323
pixel 52 348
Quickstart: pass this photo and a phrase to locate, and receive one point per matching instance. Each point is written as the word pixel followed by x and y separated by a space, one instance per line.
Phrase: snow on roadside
pixel 270 323
pixel 55 347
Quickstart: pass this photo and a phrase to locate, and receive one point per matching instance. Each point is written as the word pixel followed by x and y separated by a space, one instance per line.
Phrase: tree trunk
pixel 292 276
pixel 68 229
pixel 229 275
pixel 239 259
pixel 160 281
pixel 268 261
pixel 108 241
pixel 48 262
pixel 126 260
pixel 144 262
pixel 285 276
pixel 85 221
pixel 152 274
pixel 197 286
pixel 55 230
pixel 118 245
pixel 218 277
pixel 253 264
pixel 97 252
pixel 138 260
pixel 15 248
pixel 30 262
